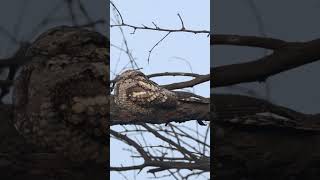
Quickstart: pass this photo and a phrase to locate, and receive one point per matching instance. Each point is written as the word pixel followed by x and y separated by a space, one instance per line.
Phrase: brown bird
pixel 136 93
pixel 60 96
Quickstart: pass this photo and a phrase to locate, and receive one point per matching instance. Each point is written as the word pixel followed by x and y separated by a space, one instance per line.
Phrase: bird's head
pixel 130 74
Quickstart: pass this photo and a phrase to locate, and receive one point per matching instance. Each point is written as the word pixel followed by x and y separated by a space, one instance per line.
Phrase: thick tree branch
pixel 287 57
pixel 252 41
pixel 285 144
pixel 184 112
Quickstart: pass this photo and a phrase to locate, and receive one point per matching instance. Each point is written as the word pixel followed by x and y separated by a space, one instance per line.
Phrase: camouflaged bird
pixel 248 111
pixel 60 96
pixel 136 93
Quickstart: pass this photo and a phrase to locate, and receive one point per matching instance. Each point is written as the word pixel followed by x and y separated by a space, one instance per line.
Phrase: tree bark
pixel 254 151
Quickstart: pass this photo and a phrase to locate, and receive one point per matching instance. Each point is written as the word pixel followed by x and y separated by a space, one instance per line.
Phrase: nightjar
pixel 60 97
pixel 137 94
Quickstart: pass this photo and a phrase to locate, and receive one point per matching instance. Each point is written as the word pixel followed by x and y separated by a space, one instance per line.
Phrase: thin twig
pixel 150 51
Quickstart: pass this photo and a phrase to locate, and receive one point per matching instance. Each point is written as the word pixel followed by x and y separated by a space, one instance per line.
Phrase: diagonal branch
pixel 130 142
pixel 288 57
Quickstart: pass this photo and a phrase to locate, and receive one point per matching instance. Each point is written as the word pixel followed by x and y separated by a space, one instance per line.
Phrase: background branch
pixel 287 56
pixel 251 41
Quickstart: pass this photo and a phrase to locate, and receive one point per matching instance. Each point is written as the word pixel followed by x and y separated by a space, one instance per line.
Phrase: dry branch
pixel 184 112
pixel 285 57
pixel 190 159
pixel 252 41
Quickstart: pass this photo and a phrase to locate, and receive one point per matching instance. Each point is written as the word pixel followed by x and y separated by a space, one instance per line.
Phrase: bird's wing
pixel 148 94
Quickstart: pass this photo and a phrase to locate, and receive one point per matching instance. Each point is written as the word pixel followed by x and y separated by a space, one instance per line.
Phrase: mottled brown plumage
pixel 249 111
pixel 60 97
pixel 136 93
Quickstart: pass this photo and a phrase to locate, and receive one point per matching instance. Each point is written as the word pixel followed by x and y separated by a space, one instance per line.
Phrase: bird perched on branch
pixel 140 95
pixel 60 97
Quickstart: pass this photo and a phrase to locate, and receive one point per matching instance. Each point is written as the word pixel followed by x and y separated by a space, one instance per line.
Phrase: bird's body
pixel 136 93
pixel 139 95
pixel 249 111
pixel 60 96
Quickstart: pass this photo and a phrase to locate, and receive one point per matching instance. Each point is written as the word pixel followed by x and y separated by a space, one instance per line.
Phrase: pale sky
pixel 179 52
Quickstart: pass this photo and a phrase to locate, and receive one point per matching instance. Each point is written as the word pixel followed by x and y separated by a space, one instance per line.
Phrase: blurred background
pixel 290 20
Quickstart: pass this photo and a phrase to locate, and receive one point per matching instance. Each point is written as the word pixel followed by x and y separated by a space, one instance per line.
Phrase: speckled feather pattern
pixel 136 93
pixel 60 97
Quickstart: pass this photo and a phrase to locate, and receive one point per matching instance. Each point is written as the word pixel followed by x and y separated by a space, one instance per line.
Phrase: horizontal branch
pixel 185 111
pixel 156 28
pixel 165 165
pixel 173 74
pixel 197 80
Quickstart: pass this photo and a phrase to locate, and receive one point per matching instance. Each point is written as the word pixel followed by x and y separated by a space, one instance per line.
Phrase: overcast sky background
pixel 179 52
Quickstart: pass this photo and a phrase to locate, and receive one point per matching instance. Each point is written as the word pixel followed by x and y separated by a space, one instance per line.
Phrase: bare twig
pixel 161 29
pixel 182 24
pixel 191 159
pixel 122 22
pixel 150 51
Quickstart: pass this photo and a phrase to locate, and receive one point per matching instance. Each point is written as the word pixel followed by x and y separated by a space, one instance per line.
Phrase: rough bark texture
pixel 185 111
pixel 249 148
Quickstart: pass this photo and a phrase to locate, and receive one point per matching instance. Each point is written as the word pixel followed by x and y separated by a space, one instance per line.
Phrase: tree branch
pixel 184 112
pixel 287 57
pixel 197 80
pixel 281 147
pixel 190 159
pixel 252 41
